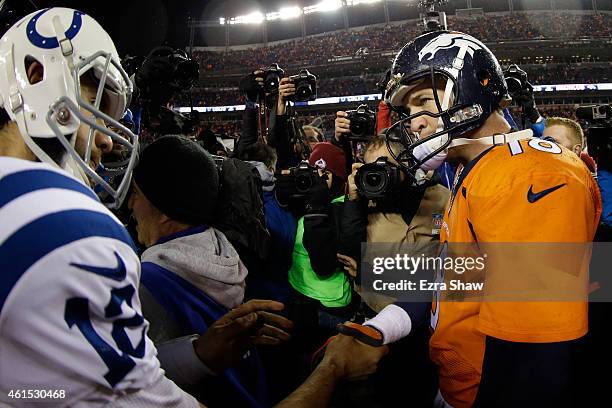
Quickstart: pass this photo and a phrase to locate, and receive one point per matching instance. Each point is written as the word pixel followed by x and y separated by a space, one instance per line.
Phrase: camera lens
pixel 373 180
pixel 358 126
pixel 303 183
pixel 514 85
pixel 303 90
pixel 271 82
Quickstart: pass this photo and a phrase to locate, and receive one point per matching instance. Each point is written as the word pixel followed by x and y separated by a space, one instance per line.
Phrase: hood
pixel 207 260
pixel 267 177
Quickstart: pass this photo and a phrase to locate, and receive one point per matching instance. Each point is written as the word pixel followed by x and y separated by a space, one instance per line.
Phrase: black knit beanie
pixel 179 178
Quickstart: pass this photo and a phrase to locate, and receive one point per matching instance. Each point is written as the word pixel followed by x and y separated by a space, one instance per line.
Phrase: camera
pixel 165 73
pixel 598 131
pixel 432 20
pixel 363 123
pixel 305 86
pixel 304 176
pixel 516 79
pixel 376 180
pixel 272 76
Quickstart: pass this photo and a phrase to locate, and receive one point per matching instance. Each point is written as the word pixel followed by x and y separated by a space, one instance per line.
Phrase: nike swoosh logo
pixel 118 273
pixel 533 197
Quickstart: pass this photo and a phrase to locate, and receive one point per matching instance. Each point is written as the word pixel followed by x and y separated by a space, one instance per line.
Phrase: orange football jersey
pixel 525 191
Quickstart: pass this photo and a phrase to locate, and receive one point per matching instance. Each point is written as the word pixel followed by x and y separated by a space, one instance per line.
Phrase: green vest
pixel 332 291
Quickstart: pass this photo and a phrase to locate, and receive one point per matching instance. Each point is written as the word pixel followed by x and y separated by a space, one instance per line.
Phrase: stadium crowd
pixel 319 49
pixel 147 263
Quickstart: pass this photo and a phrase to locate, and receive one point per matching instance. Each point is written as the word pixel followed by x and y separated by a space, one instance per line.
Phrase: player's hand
pixel 286 88
pixel 352 359
pixel 353 194
pixel 343 125
pixel 230 337
pixel 350 265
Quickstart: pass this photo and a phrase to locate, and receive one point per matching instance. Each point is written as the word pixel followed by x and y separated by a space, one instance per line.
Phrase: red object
pixel 384 114
pixel 333 156
pixel 588 160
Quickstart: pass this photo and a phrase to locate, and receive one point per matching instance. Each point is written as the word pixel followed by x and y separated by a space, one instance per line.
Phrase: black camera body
pixel 165 73
pixel 305 86
pixel 305 176
pixel 377 180
pixel 272 76
pixel 598 131
pixel 431 19
pixel 516 79
pixel 363 123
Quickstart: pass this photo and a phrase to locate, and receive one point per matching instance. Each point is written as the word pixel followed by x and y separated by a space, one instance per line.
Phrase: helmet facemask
pixel 451 119
pixel 105 179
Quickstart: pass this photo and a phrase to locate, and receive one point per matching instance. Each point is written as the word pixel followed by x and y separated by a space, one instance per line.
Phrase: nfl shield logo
pixel 436 223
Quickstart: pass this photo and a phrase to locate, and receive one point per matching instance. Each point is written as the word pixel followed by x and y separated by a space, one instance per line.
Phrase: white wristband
pixel 393 322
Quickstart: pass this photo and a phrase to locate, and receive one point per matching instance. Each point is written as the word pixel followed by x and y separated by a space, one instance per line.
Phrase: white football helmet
pixel 67 43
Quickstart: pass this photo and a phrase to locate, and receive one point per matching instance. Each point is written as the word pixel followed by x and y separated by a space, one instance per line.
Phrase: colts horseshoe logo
pixel 51 42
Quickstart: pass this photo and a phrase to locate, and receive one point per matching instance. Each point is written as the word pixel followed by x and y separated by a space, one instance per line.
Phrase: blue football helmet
pixel 474 87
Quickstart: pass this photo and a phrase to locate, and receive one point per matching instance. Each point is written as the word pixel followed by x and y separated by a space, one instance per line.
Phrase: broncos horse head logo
pixel 448 41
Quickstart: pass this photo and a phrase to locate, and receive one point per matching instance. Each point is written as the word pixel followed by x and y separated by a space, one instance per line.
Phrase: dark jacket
pixel 249 134
pixel 280 138
pixel 272 282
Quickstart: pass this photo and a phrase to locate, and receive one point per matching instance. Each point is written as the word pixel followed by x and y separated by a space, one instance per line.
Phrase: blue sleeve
pixel 510 119
pixel 538 127
pixel 604 179
pixel 419 312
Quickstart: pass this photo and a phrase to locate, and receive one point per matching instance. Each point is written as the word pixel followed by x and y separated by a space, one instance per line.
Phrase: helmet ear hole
pixel 34 69
pixel 484 77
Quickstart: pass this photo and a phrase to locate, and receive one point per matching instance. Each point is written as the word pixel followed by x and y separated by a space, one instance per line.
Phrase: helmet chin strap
pixel 495 140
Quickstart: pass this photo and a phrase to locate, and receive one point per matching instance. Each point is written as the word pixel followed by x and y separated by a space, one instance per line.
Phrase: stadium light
pixel 285 13
pixel 290 12
pixel 356 2
pixel 255 17
pixel 325 5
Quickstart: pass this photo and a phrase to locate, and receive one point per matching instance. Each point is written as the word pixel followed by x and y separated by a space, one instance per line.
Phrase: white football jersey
pixel 70 316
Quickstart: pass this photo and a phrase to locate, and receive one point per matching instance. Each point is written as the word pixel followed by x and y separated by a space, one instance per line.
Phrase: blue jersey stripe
pixel 45 234
pixel 15 185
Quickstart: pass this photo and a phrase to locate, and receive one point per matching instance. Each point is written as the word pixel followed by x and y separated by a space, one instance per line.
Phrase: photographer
pixel 272 282
pixel 323 294
pixel 292 141
pixel 251 86
pixel 280 136
pixel 405 212
pixel 598 122
pixel 159 78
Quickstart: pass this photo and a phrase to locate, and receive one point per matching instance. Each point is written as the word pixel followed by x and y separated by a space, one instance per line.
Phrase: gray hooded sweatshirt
pixel 207 260
pixel 267 177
